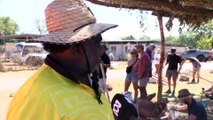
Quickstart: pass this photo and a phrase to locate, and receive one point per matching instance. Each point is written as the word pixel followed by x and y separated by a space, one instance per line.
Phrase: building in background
pixel 120 49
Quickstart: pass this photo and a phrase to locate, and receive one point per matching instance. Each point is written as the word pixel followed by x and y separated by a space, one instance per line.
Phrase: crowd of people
pixel 141 72
pixel 143 67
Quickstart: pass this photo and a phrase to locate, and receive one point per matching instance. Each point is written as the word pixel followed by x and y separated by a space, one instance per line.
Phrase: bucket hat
pixel 184 93
pixel 134 51
pixel 70 21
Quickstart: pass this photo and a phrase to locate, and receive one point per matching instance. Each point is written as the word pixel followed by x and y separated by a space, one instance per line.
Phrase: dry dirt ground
pixel 11 81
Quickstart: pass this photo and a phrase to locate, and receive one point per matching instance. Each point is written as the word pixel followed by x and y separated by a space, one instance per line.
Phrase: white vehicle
pixel 29 53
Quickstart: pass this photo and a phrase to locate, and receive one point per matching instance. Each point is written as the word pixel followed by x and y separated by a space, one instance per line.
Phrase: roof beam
pixel 160 5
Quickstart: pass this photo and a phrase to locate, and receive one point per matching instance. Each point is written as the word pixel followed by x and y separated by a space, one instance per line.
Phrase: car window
pixel 191 51
pixel 31 49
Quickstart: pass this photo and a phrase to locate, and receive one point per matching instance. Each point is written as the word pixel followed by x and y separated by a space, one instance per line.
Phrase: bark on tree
pixel 1 67
pixel 160 89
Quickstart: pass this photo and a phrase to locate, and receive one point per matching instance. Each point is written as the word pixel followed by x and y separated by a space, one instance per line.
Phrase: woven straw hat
pixel 184 93
pixel 70 21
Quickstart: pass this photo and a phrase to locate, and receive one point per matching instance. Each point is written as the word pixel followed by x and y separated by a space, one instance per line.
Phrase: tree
pixel 130 37
pixel 144 37
pixel 8 26
pixel 41 27
pixel 205 43
pixel 198 38
pixel 188 39
pixel 205 30
pixel 171 39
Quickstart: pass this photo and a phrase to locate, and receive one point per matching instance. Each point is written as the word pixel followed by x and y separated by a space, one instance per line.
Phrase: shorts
pixel 196 69
pixel 171 73
pixel 143 82
pixel 132 76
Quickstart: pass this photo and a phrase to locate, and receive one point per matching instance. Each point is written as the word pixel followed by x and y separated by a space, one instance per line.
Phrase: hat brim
pixel 189 96
pixel 138 46
pixel 69 37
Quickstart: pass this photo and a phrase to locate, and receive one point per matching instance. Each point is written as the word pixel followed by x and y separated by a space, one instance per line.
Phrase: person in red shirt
pixel 143 73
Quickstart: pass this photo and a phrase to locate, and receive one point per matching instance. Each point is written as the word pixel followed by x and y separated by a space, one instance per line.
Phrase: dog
pixel 148 109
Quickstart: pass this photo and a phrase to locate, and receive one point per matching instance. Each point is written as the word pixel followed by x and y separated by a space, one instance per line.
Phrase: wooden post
pixel 160 86
pixel 1 67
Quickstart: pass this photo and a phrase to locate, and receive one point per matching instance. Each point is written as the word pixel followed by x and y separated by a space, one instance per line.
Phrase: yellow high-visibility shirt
pixel 48 95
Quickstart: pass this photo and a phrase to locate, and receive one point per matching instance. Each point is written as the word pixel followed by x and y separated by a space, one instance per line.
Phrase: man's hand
pixel 106 65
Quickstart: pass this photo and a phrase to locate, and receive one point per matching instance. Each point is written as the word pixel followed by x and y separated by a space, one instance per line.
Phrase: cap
pixel 173 49
pixel 139 46
pixel 152 45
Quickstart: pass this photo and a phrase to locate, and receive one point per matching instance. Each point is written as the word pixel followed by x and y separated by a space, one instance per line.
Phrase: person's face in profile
pixel 134 55
pixel 94 50
pixel 152 48
pixel 139 50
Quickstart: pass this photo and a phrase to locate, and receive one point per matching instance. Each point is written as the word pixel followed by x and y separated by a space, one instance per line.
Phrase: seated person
pixel 209 92
pixel 195 110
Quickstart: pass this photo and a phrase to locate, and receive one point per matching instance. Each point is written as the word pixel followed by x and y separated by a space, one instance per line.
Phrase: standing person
pixel 157 61
pixel 132 76
pixel 172 59
pixel 149 51
pixel 195 110
pixel 66 86
pixel 196 68
pixel 105 61
pixel 143 72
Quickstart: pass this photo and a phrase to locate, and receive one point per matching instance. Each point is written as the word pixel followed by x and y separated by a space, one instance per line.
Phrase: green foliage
pixel 130 37
pixel 188 39
pixel 8 26
pixel 171 39
pixel 199 38
pixel 205 43
pixel 206 29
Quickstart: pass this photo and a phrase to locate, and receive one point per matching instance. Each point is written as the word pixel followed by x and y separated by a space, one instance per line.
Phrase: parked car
pixel 28 53
pixel 201 55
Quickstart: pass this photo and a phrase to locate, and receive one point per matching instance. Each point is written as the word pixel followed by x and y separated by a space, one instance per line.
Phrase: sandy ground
pixel 10 82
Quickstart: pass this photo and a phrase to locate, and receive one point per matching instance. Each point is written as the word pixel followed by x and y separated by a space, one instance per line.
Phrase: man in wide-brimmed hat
pixel 66 86
pixel 196 111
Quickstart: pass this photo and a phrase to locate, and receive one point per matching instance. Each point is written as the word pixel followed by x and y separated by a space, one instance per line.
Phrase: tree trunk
pixel 1 67
pixel 160 89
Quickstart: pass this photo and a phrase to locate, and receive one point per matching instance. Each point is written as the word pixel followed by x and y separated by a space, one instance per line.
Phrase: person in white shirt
pixel 157 60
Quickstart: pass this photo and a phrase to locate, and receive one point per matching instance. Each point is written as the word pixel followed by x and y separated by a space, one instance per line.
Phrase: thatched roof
pixel 191 12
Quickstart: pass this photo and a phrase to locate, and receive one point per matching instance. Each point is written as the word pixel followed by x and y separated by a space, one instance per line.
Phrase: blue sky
pixel 26 12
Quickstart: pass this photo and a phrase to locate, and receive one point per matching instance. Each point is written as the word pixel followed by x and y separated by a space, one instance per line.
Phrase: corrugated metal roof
pixel 20 36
